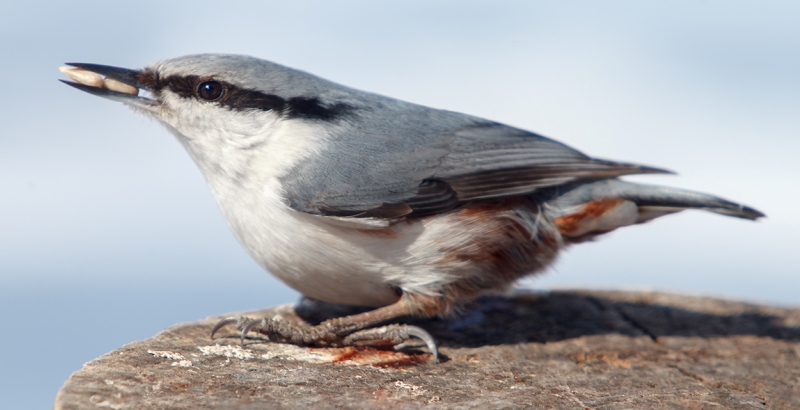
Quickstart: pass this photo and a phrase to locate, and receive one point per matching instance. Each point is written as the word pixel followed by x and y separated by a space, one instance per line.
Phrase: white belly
pixel 322 259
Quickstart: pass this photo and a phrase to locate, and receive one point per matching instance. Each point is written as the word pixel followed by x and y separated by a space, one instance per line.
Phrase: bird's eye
pixel 210 90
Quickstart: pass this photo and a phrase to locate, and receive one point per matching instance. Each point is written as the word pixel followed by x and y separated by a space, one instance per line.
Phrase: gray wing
pixel 414 161
pixel 491 160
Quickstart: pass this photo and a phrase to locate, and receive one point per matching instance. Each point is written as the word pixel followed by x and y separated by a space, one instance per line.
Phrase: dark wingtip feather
pixel 625 168
pixel 653 170
pixel 740 211
pixel 754 213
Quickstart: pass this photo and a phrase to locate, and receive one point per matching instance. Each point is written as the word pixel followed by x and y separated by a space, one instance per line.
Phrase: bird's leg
pixel 341 331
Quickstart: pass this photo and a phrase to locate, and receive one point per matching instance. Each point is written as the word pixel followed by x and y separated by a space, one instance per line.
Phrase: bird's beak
pixel 118 84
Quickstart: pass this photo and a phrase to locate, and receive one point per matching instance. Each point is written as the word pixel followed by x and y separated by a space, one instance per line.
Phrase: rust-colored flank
pixel 571 223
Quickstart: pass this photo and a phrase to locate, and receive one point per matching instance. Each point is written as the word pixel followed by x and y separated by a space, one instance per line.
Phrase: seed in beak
pixel 120 87
pixel 82 76
pixel 93 79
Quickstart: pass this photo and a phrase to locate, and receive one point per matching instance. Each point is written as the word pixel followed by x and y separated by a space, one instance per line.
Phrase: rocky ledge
pixel 565 349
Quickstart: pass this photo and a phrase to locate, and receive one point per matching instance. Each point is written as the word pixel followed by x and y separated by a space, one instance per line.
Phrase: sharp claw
pixel 425 337
pixel 246 328
pixel 398 333
pixel 222 323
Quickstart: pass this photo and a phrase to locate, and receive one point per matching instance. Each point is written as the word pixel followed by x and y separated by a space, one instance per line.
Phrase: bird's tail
pixel 583 210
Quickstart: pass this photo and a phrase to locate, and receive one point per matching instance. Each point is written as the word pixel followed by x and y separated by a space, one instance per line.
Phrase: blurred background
pixel 108 233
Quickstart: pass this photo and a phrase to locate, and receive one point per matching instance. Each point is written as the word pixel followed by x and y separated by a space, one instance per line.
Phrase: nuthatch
pixel 355 198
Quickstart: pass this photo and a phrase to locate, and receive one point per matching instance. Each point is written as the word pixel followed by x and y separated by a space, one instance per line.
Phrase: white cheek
pixel 214 124
pixel 219 139
pixel 244 130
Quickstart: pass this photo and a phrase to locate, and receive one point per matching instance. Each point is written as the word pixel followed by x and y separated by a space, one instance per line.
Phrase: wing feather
pixel 426 161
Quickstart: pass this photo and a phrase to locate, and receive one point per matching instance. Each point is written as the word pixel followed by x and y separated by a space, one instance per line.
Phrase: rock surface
pixel 566 349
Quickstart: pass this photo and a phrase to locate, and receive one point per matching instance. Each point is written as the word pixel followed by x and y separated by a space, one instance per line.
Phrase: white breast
pixel 315 255
pixel 321 257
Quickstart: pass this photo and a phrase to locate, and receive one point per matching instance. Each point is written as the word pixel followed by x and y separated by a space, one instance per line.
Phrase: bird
pixel 355 198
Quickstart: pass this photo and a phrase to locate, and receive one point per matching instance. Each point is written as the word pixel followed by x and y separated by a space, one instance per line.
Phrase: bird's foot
pixel 330 333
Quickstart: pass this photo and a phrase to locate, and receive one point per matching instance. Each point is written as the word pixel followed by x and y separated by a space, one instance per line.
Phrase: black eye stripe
pixel 237 98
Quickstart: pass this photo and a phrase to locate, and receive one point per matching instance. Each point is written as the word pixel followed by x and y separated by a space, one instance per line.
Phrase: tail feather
pixel 584 210
pixel 666 197
pixel 648 197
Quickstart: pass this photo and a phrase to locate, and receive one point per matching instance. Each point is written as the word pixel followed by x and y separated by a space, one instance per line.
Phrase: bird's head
pixel 226 109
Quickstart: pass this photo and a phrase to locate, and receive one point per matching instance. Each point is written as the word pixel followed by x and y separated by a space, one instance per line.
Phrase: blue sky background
pixel 108 233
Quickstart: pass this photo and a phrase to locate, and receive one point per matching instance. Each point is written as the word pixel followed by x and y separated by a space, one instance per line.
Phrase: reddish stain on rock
pixel 380 358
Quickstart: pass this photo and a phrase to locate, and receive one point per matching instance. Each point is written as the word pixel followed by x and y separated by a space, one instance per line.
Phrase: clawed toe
pixel 327 335
pixel 248 325
pixel 396 335
pixel 222 324
pixel 245 324
pixel 275 330
pixel 426 337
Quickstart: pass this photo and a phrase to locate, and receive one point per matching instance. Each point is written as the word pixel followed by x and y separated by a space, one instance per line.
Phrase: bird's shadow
pixel 561 315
